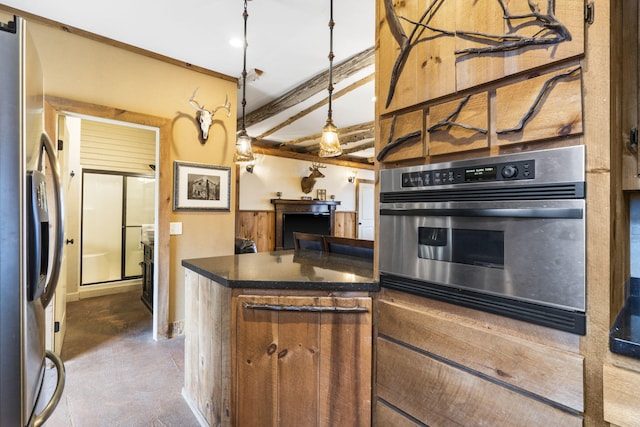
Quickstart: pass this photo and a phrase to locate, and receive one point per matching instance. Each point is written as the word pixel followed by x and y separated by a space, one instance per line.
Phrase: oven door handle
pixel 561 213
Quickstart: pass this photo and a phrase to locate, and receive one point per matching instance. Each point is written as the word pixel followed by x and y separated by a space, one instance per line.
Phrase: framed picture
pixel 322 194
pixel 201 187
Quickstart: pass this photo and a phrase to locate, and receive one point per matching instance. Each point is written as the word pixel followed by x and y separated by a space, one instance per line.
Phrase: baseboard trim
pixel 196 413
pixel 176 328
pixel 93 291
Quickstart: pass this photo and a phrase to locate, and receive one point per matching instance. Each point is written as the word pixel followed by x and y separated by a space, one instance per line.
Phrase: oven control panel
pixel 508 171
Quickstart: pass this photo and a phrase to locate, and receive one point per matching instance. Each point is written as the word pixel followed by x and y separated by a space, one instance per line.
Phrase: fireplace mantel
pixel 284 206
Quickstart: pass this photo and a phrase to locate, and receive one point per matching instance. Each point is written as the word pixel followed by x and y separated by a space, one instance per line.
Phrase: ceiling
pixel 288 40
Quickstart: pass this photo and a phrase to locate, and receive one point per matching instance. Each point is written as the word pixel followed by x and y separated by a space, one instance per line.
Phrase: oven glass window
pixel 484 248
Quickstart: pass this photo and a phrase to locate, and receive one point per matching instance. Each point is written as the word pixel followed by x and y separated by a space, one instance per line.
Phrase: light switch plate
pixel 175 228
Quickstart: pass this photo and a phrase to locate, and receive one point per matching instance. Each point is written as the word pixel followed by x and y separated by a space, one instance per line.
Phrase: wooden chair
pixel 307 241
pixel 346 246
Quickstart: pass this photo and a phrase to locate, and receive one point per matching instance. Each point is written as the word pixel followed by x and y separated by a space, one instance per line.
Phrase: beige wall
pixel 84 70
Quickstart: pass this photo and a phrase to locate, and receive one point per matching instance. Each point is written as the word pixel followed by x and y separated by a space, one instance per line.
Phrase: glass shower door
pixel 101 228
pixel 114 207
pixel 139 210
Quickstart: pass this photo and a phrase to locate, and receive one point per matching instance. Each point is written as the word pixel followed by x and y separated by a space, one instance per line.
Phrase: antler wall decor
pixel 307 182
pixel 205 117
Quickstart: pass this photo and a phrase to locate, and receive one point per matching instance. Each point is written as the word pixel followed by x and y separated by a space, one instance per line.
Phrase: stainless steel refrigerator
pixel 31 233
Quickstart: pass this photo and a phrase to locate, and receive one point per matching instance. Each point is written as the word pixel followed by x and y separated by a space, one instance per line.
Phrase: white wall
pixel 272 174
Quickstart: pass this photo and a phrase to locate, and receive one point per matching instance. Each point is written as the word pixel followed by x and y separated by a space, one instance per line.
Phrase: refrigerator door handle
pixel 58 242
pixel 57 394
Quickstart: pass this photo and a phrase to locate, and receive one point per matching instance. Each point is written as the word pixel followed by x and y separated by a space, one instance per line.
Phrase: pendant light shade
pixel 243 152
pixel 330 142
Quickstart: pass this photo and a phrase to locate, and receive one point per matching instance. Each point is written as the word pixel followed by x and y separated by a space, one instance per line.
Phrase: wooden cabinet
pixel 303 360
pixel 426 52
pixel 481 83
pixel 277 357
pixel 405 131
pixel 207 350
pixel 147 277
pixel 448 365
pixel 620 392
pixel 629 84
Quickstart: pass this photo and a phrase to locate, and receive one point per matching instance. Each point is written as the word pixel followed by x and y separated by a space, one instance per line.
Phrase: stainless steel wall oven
pixel 503 234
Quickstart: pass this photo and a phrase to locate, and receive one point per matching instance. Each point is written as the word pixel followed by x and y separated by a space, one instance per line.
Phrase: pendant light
pixel 244 153
pixel 330 143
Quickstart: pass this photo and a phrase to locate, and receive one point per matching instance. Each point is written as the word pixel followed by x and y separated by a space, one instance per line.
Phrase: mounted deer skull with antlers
pixel 205 117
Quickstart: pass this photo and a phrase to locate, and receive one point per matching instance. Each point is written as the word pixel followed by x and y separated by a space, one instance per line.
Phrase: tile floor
pixel 117 375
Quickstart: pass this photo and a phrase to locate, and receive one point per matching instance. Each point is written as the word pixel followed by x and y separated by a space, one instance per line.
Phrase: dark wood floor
pixel 117 375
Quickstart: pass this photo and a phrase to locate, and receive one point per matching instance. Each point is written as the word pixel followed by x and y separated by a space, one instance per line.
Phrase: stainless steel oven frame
pixel 533 203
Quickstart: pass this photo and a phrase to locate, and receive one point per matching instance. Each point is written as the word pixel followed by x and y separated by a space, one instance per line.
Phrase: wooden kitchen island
pixel 279 338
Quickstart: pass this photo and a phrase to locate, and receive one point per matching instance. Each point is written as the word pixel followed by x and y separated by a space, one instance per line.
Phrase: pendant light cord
pixel 331 56
pixel 245 15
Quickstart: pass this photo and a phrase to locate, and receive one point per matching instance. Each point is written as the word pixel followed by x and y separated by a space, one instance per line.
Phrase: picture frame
pixel 201 187
pixel 322 194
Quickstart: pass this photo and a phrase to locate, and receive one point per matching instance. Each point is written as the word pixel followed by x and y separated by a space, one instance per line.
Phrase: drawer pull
pixel 311 308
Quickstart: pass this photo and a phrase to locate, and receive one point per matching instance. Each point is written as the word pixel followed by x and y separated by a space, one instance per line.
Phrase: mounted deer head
pixel 205 117
pixel 308 182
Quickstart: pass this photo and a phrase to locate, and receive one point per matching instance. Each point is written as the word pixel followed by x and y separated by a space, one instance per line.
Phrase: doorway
pixel 115 207
pixel 365 197
pixel 111 193
pixel 58 108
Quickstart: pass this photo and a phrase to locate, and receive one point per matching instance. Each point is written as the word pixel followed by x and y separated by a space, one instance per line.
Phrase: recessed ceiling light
pixel 236 42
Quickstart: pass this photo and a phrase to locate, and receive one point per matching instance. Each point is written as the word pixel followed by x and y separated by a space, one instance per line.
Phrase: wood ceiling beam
pixel 360 147
pixel 362 129
pixel 355 138
pixel 314 85
pixel 319 104
pixel 269 150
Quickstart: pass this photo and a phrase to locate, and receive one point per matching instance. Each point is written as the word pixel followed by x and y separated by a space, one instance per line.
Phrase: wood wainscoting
pixel 346 225
pixel 259 226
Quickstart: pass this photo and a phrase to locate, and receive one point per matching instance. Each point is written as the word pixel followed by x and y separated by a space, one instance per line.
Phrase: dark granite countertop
pixel 288 269
pixel 624 337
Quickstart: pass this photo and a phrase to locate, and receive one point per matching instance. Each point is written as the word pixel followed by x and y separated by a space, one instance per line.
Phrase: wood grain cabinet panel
pixel 441 394
pixel 542 107
pixel 447 365
pixel 433 49
pixel 484 17
pixel 459 125
pixel 407 127
pixel 300 361
pixel 621 392
pixel 436 66
pixel 277 359
pixel 207 349
pixel 386 415
pixel 387 63
pixel 542 370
